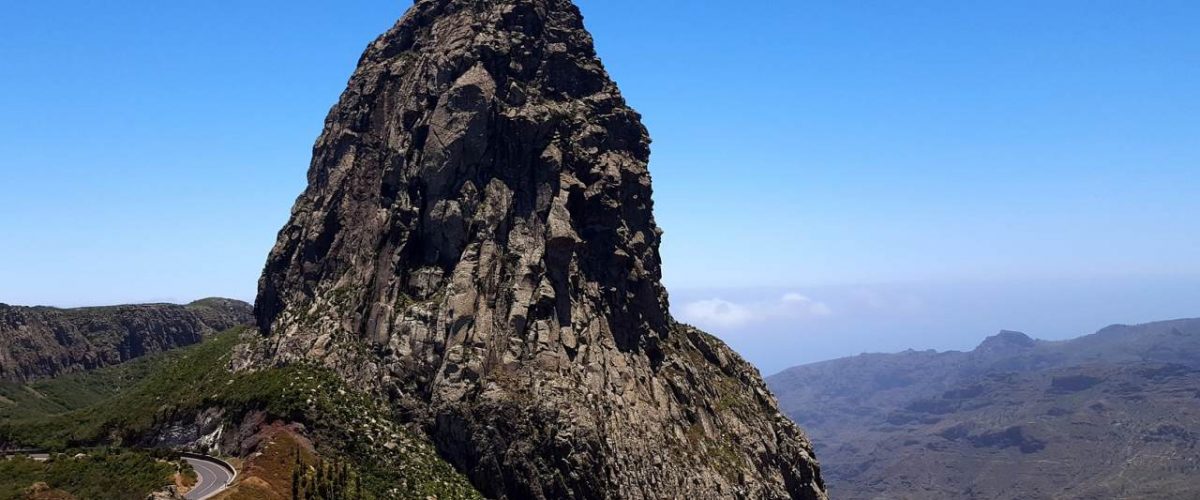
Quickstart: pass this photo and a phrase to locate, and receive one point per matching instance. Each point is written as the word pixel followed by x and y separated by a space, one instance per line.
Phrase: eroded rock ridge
pixel 43 342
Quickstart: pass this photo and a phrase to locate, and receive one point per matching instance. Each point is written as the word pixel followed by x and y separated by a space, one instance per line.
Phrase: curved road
pixel 212 475
pixel 212 478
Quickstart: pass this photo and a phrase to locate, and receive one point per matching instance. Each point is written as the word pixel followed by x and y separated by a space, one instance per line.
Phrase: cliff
pixel 477 246
pixel 41 342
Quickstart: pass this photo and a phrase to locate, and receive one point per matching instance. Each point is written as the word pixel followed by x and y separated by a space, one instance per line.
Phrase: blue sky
pixel 943 148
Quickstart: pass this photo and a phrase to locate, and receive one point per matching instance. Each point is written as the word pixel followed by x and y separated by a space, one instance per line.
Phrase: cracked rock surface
pixel 477 245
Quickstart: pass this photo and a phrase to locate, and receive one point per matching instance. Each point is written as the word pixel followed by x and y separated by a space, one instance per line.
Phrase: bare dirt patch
pixel 267 474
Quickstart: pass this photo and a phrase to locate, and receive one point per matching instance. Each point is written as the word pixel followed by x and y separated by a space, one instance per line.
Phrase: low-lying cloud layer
pixel 721 313
pixel 777 327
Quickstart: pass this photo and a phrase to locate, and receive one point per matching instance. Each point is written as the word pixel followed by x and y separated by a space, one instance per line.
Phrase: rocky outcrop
pixel 41 342
pixel 1005 342
pixel 220 314
pixel 477 244
pixel 168 493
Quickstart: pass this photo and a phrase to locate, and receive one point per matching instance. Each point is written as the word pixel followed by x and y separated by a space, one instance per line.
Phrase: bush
pixel 102 475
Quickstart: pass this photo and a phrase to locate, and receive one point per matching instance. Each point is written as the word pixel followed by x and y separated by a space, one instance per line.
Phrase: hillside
pixel 108 475
pixel 297 421
pixel 41 342
pixel 1109 415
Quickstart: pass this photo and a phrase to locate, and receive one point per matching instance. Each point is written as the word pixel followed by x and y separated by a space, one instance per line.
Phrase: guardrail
pixel 223 464
pixel 233 473
pixel 184 454
pixel 32 453
pixel 23 451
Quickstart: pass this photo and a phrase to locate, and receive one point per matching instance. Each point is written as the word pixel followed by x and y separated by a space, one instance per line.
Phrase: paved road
pixel 212 478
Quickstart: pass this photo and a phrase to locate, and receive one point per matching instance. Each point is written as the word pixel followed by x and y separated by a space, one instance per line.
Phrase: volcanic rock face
pixel 477 244
pixel 40 342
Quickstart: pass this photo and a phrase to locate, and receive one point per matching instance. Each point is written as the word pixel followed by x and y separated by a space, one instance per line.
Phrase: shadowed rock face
pixel 42 342
pixel 477 244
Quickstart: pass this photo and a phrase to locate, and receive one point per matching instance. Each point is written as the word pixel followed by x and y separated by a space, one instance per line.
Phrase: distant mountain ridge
pixel 42 342
pixel 1109 415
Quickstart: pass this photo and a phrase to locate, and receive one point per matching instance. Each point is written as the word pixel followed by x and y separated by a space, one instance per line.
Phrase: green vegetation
pixel 162 387
pixel 71 392
pixel 210 302
pixel 105 475
pixel 325 481
pixel 124 404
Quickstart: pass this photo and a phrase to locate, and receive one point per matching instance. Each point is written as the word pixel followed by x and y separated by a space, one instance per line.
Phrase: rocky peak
pixel 504 128
pixel 477 244
pixel 1006 341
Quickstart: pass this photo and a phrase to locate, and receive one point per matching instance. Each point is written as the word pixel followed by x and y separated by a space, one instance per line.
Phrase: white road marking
pixel 211 479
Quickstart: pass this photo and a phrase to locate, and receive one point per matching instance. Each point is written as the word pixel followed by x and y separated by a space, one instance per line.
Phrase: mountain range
pixel 41 342
pixel 1115 414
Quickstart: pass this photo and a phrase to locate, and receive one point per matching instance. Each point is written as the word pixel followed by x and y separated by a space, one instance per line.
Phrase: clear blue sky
pixel 151 150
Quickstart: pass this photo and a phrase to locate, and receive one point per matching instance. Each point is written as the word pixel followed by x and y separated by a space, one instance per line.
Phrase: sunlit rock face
pixel 477 244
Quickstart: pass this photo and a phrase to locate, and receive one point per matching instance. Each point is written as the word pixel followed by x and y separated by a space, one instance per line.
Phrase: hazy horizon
pixel 776 328
pixel 1000 165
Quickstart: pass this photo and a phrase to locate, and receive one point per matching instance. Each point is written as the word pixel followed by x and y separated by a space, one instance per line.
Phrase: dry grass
pixel 267 474
pixel 41 491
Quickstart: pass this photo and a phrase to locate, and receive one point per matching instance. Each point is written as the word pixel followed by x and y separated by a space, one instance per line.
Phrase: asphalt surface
pixel 212 479
pixel 211 476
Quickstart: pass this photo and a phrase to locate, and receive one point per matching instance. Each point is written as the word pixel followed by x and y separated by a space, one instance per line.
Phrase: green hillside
pixel 125 404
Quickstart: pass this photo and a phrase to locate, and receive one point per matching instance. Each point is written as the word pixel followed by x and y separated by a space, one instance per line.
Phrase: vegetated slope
pixel 477 245
pixel 188 398
pixel 53 396
pixel 40 342
pixel 1110 415
pixel 108 475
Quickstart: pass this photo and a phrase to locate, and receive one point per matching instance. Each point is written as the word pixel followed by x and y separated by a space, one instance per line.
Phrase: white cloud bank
pixel 725 314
